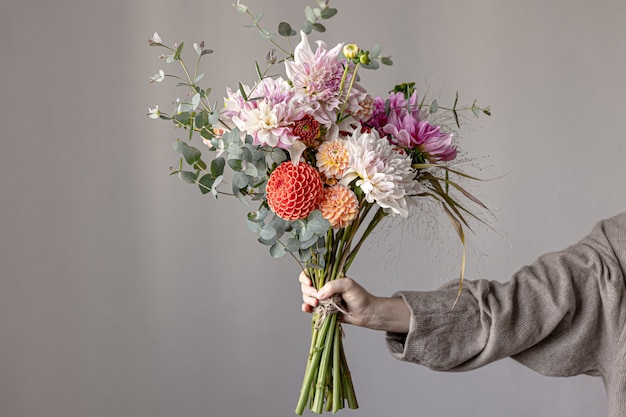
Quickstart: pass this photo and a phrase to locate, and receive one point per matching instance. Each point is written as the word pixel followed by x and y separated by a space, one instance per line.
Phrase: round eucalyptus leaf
pixel 268 232
pixel 187 176
pixel 240 180
pixel 277 250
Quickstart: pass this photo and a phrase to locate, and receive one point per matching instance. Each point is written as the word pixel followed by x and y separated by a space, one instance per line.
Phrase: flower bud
pixel 364 58
pixel 351 50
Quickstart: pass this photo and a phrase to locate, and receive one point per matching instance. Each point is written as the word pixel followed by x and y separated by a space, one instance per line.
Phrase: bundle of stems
pixel 327 384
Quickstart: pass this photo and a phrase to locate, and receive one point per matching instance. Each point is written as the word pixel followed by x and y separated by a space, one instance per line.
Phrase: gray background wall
pixel 122 291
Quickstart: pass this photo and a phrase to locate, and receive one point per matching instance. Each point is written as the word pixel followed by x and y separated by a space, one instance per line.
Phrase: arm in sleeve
pixel 556 316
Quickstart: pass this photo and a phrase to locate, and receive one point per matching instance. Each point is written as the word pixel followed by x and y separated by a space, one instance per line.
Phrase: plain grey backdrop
pixel 126 293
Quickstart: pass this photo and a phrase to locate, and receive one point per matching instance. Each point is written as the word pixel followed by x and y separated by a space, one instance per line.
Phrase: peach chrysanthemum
pixel 339 206
pixel 333 158
pixel 293 191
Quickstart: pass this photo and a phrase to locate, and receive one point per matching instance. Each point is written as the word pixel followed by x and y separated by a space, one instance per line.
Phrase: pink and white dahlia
pixel 316 77
pixel 381 171
pixel 267 115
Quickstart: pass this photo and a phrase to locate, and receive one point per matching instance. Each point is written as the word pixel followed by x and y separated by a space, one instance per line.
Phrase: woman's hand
pixel 363 308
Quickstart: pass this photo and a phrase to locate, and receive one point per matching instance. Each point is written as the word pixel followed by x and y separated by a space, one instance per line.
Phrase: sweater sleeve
pixel 561 315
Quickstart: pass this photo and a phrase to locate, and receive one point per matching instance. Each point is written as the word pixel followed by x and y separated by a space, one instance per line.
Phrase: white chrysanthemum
pixel 384 174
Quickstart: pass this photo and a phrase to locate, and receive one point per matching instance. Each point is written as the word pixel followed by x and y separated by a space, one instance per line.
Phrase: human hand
pixel 363 308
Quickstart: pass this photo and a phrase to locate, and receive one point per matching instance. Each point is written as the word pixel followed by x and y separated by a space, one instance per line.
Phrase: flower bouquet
pixel 320 162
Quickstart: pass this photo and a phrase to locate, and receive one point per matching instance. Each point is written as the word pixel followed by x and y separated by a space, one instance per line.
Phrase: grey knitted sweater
pixel 563 315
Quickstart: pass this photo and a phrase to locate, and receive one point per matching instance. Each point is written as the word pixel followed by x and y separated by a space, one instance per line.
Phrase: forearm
pixel 389 314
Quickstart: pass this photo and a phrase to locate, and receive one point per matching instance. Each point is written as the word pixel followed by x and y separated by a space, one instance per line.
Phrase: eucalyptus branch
pixel 255 21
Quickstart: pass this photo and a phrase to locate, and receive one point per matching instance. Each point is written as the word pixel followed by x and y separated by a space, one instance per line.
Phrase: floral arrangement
pixel 320 162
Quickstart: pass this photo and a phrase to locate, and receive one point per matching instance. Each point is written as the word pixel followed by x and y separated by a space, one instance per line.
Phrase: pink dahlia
pixel 293 191
pixel 415 134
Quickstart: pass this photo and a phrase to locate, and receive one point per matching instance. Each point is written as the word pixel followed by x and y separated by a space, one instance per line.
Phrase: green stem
pixel 313 364
pixel 348 387
pixel 345 103
pixel 380 214
pixel 337 391
pixel 322 376
pixel 256 23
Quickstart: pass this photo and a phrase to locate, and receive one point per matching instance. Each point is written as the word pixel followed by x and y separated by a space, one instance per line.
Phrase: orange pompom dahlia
pixel 293 191
pixel 339 205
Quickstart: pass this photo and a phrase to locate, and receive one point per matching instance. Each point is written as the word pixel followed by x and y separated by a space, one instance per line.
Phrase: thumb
pixel 336 286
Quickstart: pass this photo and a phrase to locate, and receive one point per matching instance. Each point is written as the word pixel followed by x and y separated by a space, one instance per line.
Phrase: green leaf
pixel 259 215
pixel 292 245
pixel 268 233
pixel 328 12
pixel 251 170
pixel 235 164
pixel 314 216
pixel 184 118
pixel 254 227
pixel 306 233
pixel 217 167
pixel 277 250
pixel 284 29
pixel 188 176
pixel 217 182
pixel 475 110
pixel 386 60
pixel 319 27
pixel 179 50
pixel 376 50
pixel 178 146
pixel 259 16
pixel 243 92
pixel 308 13
pixel 241 8
pixel 307 27
pixel 201 120
pixel 434 106
pixel 279 224
pixel 191 154
pixel 278 155
pixel 308 243
pixel 206 51
pixel 240 180
pixel 206 183
pixel 207 133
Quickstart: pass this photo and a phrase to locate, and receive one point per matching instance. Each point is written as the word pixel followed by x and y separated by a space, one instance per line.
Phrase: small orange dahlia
pixel 339 206
pixel 293 191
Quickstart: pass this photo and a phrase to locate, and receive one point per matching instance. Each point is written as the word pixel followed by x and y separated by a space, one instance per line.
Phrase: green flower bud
pixel 364 58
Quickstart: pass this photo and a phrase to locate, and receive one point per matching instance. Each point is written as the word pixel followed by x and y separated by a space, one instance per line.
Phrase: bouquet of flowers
pixel 320 163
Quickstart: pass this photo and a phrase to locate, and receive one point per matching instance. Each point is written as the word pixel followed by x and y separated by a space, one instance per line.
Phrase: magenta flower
pixel 420 135
pixel 392 110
